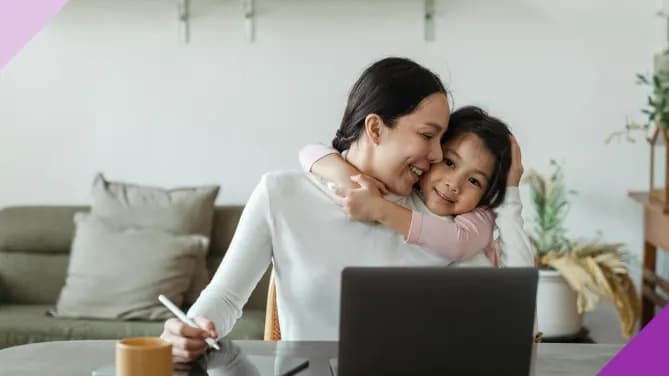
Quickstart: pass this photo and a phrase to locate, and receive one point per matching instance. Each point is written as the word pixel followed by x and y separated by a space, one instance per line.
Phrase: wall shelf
pixel 183 13
pixel 250 19
pixel 249 14
pixel 429 20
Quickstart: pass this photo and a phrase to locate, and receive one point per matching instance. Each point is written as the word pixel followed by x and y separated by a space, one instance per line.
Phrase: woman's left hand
pixel 364 203
pixel 516 170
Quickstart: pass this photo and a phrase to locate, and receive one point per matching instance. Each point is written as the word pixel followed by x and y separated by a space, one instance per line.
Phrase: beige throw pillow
pixel 118 273
pixel 180 210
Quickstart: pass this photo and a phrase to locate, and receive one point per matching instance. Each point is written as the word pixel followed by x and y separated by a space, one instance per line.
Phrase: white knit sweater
pixel 292 220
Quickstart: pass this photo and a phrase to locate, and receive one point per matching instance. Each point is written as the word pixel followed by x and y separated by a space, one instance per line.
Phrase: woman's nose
pixel 435 155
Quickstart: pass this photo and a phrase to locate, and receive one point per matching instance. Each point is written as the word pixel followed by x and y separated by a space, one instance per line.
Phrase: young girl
pixel 464 188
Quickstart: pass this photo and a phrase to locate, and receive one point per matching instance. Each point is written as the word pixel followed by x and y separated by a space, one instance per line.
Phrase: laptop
pixel 436 321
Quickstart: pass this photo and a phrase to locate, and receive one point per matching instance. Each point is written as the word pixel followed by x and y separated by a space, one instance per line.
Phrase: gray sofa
pixel 34 252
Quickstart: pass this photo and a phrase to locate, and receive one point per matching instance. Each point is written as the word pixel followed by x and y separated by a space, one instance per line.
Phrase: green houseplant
pixel 658 103
pixel 656 127
pixel 590 268
pixel 656 108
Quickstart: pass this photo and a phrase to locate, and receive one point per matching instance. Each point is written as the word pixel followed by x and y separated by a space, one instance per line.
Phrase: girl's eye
pixel 475 182
pixel 448 162
pixel 428 136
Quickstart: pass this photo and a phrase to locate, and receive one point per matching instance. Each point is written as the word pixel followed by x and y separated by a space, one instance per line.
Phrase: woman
pixel 396 113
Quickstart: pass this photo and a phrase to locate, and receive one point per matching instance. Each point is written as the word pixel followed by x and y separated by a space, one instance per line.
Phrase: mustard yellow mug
pixel 143 356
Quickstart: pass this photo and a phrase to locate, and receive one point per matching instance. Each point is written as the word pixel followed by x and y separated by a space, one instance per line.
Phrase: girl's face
pixel 457 185
pixel 407 150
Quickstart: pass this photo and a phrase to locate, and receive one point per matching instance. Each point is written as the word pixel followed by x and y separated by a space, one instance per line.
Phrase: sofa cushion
pixel 118 273
pixel 180 210
pixel 32 278
pixel 37 229
pixel 29 277
pixel 20 324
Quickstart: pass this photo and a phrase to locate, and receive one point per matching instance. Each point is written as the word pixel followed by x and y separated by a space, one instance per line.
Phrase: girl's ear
pixel 373 128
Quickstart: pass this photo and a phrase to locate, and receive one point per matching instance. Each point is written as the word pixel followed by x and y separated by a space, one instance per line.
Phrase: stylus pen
pixel 182 316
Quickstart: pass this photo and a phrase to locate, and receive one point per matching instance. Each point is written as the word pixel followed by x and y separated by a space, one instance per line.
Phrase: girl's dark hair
pixel 495 137
pixel 391 88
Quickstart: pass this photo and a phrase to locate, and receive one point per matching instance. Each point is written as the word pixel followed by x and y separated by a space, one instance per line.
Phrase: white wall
pixel 108 87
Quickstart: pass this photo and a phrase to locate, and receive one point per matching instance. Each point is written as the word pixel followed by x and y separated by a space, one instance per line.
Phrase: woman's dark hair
pixel 391 88
pixel 495 137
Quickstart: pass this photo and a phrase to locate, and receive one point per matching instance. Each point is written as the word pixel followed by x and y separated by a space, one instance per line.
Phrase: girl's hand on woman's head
pixel 188 343
pixel 363 204
pixel 516 169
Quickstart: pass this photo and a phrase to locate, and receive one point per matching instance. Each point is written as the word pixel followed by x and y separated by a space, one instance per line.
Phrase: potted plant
pixel 656 128
pixel 574 274
pixel 656 109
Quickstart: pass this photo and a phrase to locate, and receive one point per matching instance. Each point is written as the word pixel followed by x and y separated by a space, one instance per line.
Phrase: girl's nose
pixel 453 186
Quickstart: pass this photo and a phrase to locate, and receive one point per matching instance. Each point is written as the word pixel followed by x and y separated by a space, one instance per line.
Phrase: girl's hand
pixel 364 203
pixel 369 180
pixel 341 190
pixel 188 343
pixel 516 169
pixel 381 187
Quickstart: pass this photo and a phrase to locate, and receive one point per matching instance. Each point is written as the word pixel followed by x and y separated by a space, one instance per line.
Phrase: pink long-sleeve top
pixel 455 238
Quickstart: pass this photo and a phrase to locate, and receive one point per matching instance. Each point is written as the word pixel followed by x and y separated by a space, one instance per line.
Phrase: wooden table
pixel 655 235
pixel 69 358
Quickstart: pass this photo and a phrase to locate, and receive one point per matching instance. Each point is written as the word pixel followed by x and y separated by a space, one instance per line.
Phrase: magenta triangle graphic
pixel 646 354
pixel 20 20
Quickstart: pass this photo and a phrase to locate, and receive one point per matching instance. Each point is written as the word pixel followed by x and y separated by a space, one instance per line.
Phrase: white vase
pixel 557 313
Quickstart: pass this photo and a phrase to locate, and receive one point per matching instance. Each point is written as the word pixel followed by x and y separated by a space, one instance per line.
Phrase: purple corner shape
pixel 20 20
pixel 646 354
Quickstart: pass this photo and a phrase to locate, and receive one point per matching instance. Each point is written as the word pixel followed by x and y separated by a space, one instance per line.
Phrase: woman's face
pixel 457 185
pixel 406 151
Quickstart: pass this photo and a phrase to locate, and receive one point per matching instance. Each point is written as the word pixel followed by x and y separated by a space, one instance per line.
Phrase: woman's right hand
pixel 188 343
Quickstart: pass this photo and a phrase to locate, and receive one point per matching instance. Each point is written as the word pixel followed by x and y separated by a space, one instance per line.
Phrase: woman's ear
pixel 373 128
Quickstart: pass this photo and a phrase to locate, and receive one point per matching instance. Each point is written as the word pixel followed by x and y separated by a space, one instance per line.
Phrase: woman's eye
pixel 475 182
pixel 428 136
pixel 448 162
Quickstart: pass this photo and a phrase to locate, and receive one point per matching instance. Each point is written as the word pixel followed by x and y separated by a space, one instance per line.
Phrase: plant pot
pixel 557 313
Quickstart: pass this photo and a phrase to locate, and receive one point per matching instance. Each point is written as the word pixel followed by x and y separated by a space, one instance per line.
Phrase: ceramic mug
pixel 143 356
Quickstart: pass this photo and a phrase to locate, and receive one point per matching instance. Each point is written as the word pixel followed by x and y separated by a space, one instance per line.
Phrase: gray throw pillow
pixel 118 273
pixel 180 211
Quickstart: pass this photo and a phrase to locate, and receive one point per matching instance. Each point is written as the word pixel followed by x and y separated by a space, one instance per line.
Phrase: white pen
pixel 182 316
